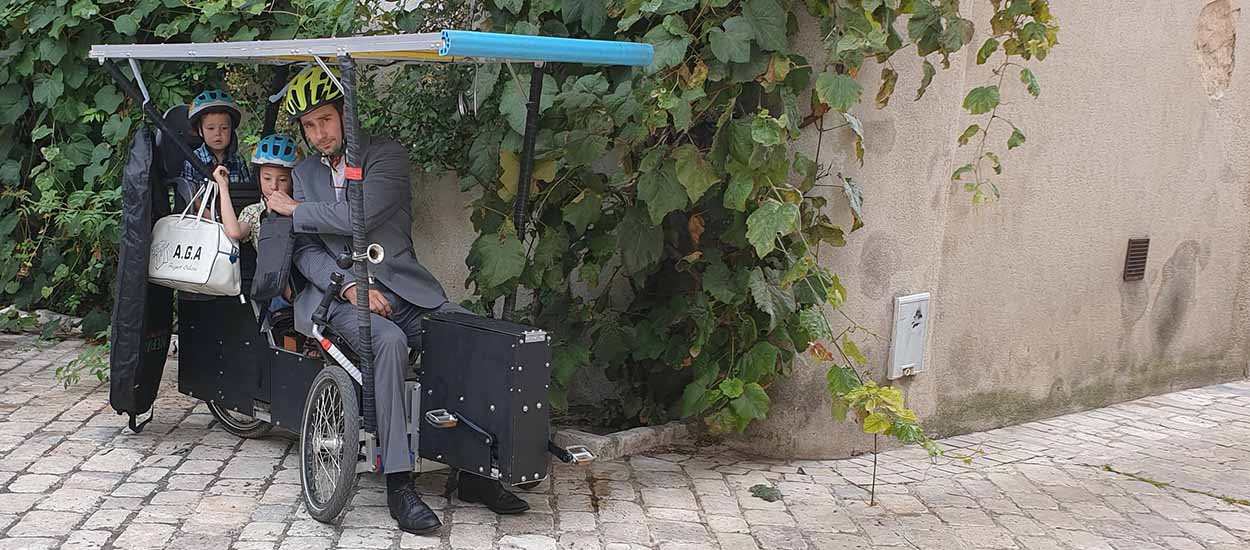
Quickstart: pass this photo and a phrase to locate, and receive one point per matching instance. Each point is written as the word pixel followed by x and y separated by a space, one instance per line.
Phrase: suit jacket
pixel 323 229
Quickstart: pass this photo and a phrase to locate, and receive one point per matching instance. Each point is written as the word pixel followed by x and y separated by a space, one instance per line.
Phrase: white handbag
pixel 194 254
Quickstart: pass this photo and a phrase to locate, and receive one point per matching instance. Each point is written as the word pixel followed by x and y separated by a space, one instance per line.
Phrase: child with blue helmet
pixel 215 116
pixel 276 156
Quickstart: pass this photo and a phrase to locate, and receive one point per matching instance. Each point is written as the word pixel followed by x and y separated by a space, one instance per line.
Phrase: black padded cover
pixel 142 312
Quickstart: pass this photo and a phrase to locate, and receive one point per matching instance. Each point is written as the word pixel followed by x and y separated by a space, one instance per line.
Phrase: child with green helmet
pixel 215 116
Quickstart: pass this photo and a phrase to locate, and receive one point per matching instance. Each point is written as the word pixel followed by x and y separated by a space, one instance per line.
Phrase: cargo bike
pixel 475 397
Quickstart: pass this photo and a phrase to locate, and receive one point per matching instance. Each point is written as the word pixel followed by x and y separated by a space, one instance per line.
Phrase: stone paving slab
pixel 1168 472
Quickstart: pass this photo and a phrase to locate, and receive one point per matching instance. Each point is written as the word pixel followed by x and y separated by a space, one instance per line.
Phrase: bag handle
pixel 208 194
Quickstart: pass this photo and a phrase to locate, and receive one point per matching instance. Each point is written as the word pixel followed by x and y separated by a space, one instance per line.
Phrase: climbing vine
pixel 675 230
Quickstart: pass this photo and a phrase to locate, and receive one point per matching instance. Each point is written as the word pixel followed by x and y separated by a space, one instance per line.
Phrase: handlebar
pixel 336 285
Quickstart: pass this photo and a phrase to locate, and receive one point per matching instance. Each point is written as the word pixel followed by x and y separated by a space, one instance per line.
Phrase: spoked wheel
pixel 329 443
pixel 239 424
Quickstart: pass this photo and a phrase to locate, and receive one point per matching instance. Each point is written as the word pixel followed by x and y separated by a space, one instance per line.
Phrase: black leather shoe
pixel 490 493
pixel 411 512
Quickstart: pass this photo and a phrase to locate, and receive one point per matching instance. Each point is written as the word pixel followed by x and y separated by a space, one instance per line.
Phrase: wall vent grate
pixel 1135 259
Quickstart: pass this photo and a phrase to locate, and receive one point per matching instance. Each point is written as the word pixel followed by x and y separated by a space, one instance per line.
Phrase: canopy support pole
pixel 278 82
pixel 520 208
pixel 356 206
pixel 154 116
pixel 271 110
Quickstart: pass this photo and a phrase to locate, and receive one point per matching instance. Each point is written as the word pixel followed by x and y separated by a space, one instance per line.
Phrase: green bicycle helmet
pixel 311 88
pixel 214 101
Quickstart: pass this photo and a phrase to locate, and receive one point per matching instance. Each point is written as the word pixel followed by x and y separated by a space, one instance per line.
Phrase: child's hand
pixel 222 175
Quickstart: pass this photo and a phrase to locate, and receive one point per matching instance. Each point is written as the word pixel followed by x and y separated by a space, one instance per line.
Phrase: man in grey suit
pixel 401 293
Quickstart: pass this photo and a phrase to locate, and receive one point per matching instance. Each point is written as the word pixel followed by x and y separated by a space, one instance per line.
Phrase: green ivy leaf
pixel 770 298
pixel 640 241
pixel 929 72
pixel 1019 7
pixel 768 20
pixel 48 87
pixel 582 149
pixel 670 50
pixel 981 100
pixel 13 104
pixel 84 9
pixel 839 409
pixel 719 283
pixel 566 359
pixel 855 200
pixel 889 78
pixel 245 34
pixel 753 403
pixel 813 321
pixel 766 130
pixel 499 257
pixel 696 398
pixel 733 43
pixel 841 380
pixel 583 210
pixel 987 49
pixel 961 171
pixel 969 134
pixel 78 151
pixel 994 162
pixel 957 33
pixel 839 91
pixel 40 133
pixel 583 92
pixel 694 173
pixel 115 128
pixel 126 24
pixel 1030 82
pixel 731 387
pixel 758 363
pixel 7 223
pixel 741 184
pixel 75 73
pixel 51 50
pixel 513 6
pixel 852 352
pixel 798 270
pixel 1016 139
pixel 512 103
pixel 771 219
pixel 665 7
pixel 589 14
pixel 662 192
pixel 877 423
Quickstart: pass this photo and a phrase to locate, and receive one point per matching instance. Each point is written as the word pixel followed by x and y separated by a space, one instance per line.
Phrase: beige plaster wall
pixel 1140 131
pixel 1030 315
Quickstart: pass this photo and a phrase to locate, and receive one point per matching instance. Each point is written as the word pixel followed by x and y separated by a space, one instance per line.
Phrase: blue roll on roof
pixel 544 48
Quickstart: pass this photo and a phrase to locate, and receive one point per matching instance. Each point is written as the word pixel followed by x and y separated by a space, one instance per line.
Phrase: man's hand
pixel 377 302
pixel 281 203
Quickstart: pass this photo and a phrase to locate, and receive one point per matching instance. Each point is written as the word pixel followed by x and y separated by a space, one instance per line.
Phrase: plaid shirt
pixel 239 172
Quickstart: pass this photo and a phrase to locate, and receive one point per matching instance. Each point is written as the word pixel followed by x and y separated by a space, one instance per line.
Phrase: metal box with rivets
pixel 492 376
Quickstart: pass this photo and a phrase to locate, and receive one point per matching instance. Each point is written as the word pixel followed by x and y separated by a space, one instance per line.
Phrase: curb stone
pixel 626 442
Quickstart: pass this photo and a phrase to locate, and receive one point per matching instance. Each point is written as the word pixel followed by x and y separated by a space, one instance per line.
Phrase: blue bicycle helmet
pixel 214 101
pixel 275 149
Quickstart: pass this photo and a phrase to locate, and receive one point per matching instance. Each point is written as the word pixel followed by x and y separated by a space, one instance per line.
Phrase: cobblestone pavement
pixel 1144 475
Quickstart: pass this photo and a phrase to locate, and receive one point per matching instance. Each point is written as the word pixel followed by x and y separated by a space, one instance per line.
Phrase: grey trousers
pixel 391 339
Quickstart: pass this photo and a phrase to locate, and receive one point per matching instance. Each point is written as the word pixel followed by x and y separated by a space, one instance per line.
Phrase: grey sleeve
pixel 386 184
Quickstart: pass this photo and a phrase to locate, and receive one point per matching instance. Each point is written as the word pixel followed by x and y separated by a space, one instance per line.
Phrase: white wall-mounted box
pixel 911 330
